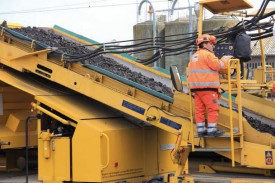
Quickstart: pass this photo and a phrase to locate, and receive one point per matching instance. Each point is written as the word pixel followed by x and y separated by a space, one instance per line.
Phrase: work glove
pixel 224 63
pixel 227 57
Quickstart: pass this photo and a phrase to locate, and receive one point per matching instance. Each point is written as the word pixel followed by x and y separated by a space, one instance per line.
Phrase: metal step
pixel 226 135
pixel 212 149
pixel 215 149
pixel 210 181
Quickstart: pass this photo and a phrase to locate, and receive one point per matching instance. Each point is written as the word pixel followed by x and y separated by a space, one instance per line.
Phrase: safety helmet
pixel 206 38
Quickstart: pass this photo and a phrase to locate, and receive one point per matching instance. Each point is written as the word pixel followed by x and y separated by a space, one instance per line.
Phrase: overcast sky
pixel 100 20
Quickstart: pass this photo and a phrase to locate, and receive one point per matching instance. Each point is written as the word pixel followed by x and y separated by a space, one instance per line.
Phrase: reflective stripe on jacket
pixel 203 70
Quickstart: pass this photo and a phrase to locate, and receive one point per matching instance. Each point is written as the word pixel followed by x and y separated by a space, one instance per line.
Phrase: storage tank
pixel 145 30
pixel 181 26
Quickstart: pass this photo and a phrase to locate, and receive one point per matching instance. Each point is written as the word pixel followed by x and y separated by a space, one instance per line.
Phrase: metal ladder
pixel 232 64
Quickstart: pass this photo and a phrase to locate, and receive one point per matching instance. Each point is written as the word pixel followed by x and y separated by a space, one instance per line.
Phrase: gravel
pixel 49 38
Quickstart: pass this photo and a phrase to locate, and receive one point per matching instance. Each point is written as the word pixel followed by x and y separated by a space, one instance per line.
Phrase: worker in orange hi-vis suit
pixel 203 80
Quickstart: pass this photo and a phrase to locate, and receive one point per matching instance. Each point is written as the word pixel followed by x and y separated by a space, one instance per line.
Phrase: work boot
pixel 201 129
pixel 216 133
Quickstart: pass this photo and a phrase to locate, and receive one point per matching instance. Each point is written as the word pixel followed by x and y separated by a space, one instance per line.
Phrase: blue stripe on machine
pixel 170 123
pixel 133 107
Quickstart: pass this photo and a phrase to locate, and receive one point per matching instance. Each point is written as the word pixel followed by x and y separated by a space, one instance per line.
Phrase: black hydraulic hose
pixel 241 26
pixel 183 34
pixel 262 37
pixel 261 33
pixel 261 11
pixel 142 49
pixel 181 43
pixel 130 51
pixel 150 39
pixel 152 60
pixel 130 46
pixel 157 37
pixel 178 40
pixel 165 50
pixel 260 8
pixel 181 52
pixel 135 50
pixel 109 45
pixel 268 14
pixel 70 58
pixel 157 54
pixel 178 48
pixel 237 28
pixel 163 53
pixel 30 117
pixel 263 26
pixel 109 51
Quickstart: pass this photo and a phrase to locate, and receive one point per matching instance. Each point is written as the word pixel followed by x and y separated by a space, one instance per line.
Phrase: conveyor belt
pixel 158 82
pixel 41 33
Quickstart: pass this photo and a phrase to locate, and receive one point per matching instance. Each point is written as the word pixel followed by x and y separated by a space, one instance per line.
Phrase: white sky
pixel 100 20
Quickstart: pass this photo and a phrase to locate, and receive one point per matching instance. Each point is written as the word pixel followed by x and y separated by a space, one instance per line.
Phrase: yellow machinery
pixel 86 131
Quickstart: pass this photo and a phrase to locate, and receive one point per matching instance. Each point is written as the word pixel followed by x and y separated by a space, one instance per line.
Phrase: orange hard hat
pixel 206 38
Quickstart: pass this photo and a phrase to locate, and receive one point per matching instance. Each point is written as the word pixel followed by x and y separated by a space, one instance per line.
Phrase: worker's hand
pixel 227 57
pixel 224 63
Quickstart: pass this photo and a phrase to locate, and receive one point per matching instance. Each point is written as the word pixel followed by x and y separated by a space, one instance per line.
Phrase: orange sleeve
pixel 213 62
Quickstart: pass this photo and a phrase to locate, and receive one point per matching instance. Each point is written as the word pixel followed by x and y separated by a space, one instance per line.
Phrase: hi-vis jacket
pixel 203 70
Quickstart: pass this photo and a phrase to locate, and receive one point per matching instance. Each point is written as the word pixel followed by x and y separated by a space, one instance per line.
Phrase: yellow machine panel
pixel 125 150
pixel 151 160
pixel 107 149
pixel 57 166
pixel 166 145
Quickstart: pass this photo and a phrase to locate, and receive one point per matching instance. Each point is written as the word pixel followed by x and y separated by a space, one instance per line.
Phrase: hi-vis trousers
pixel 207 101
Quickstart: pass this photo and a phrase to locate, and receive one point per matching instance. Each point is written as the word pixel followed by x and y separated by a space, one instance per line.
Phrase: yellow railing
pixel 235 64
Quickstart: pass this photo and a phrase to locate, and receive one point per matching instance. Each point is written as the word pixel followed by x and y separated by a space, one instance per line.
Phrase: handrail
pixel 108 151
pixel 191 121
pixel 230 112
pixel 191 116
pixel 235 64
pixel 271 71
pixel 240 112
